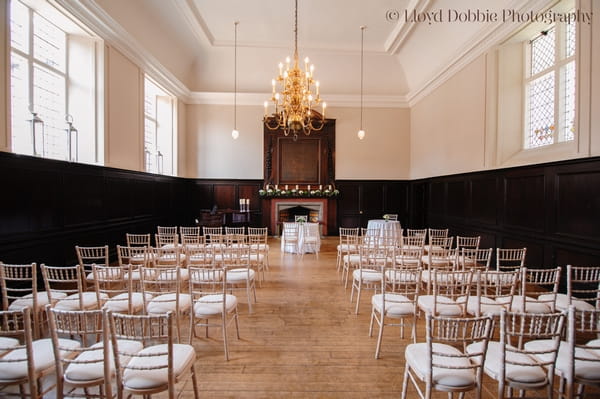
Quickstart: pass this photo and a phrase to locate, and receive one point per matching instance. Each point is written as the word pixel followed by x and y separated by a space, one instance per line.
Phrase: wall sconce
pixel 72 139
pixel 37 134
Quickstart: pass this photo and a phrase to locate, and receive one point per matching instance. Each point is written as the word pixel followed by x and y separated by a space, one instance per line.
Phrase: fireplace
pixel 287 208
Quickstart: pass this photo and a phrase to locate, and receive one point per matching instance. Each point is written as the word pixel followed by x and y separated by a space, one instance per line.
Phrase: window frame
pixel 159 152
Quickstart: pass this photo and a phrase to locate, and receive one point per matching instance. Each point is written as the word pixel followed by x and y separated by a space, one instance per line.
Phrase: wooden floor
pixel 303 340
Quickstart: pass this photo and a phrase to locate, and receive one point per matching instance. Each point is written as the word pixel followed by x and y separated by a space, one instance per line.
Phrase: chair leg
pixel 224 328
pixel 405 382
pixel 379 336
pixel 194 382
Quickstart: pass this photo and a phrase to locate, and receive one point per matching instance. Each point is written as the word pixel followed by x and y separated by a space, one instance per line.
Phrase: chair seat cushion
pixel 347 247
pixel 488 306
pixel 43 358
pixel 120 303
pixel 532 305
pixel 27 300
pixel 71 302
pixel 396 305
pixel 399 275
pixel 527 373
pixel 367 275
pixel 167 303
pixel 445 306
pixel 93 368
pixel 164 275
pixel 588 370
pixel 209 305
pixel 7 343
pixel 562 302
pixel 144 378
pixel 239 275
pixel 418 360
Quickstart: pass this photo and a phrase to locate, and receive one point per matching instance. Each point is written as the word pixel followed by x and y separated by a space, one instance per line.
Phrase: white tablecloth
pixel 390 227
pixel 312 244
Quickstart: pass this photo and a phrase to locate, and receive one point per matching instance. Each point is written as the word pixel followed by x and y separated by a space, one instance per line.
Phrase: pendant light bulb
pixel 361 134
pixel 235 134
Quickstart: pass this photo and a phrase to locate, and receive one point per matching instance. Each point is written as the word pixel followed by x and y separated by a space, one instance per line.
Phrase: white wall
pixel 211 151
pixel 385 151
pixel 4 79
pixel 448 126
pixel 124 138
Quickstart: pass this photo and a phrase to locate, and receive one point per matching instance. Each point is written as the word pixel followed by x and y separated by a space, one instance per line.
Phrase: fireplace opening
pixel 289 214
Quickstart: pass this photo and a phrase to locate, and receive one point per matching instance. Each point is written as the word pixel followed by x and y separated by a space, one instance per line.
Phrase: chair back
pixel 583 284
pixel 416 233
pixel 114 288
pixel 510 258
pixel 539 288
pixel 192 240
pixel 62 283
pixel 137 240
pixel 494 291
pixel 200 256
pixel 436 233
pixel 17 281
pixel 166 229
pixel 134 255
pixel 189 230
pixel 474 258
pixel 453 285
pixel 410 256
pixel 164 239
pixel 88 256
pixel 467 242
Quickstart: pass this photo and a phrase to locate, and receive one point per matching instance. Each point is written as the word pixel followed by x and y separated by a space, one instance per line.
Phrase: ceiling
pixel 403 58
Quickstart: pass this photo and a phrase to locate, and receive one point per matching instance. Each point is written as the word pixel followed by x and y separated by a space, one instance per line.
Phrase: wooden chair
pixel 441 363
pixel 210 300
pixel 513 363
pixel 189 230
pixel 88 256
pixel 451 291
pixel 261 240
pixel 290 238
pixel 583 289
pixel 348 243
pixel 373 260
pixel 311 239
pixel 19 291
pixel 539 288
pixel 86 365
pixel 25 364
pixel 494 292
pixel 64 286
pixel 162 293
pixel 397 300
pixel 114 289
pixel 510 258
pixel 166 240
pixel 160 365
pixel 239 274
pixel 474 259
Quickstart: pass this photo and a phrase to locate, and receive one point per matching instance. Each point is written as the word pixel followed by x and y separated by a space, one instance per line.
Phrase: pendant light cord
pixel 235 77
pixel 362 39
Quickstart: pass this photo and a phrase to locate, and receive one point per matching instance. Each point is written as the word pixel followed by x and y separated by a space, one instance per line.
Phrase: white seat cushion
pixel 213 304
pixel 562 302
pixel 120 303
pixel 94 370
pixel 239 275
pixel 166 303
pixel 7 343
pixel 367 275
pixel 183 356
pixel 531 306
pixel 395 305
pixel 589 370
pixel 522 374
pixel 489 307
pixel 71 302
pixel 352 259
pixel 399 275
pixel 27 301
pixel 43 358
pixel 184 275
pixel 445 306
pixel 416 357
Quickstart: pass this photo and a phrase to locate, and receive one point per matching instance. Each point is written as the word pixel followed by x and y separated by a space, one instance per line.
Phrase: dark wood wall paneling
pixel 49 206
pixel 552 209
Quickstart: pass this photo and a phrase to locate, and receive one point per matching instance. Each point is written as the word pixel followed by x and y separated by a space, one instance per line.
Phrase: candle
pixel 276 187
pixel 324 106
pixel 320 187
pixel 273 84
pixel 312 69
pixel 317 84
pixel 280 68
pixel 306 60
pixel 296 187
pixel 287 62
pixel 286 186
pixel 266 108
pixel 309 187
pixel 330 187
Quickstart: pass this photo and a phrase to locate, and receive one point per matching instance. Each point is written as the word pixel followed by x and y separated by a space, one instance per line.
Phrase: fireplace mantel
pixel 277 202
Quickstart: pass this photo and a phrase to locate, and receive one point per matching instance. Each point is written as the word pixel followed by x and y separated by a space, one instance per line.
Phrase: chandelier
pixel 294 99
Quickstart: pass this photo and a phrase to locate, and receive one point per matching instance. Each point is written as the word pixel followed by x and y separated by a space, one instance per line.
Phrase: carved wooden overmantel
pixel 307 160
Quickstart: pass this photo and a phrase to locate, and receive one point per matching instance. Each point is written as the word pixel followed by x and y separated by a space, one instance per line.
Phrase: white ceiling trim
pixel 403 29
pixel 486 38
pixel 332 100
pixel 106 27
pixel 192 17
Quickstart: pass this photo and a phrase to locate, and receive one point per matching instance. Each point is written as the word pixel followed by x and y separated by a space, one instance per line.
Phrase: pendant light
pixel 234 133
pixel 361 132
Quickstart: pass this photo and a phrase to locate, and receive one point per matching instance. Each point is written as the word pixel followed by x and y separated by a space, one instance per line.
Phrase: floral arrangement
pixel 276 192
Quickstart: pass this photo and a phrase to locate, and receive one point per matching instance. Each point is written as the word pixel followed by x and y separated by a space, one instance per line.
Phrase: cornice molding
pixel 403 29
pixel 487 38
pixel 93 16
pixel 332 100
